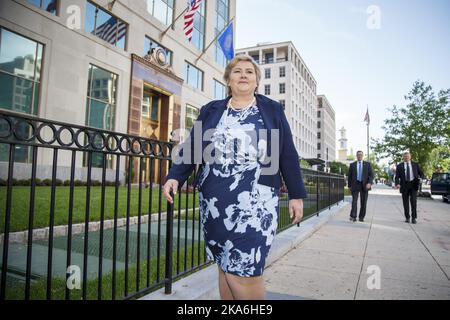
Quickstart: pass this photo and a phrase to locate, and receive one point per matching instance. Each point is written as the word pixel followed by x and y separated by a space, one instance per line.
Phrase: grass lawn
pixel 16 290
pixel 347 191
pixel 21 205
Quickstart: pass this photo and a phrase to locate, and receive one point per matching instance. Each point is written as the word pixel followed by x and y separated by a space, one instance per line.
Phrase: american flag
pixel 108 30
pixel 51 7
pixel 189 17
pixel 367 118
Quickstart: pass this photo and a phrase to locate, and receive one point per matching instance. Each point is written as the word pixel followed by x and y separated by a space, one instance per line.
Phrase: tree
pixel 378 171
pixel 439 160
pixel 338 168
pixel 304 164
pixel 420 127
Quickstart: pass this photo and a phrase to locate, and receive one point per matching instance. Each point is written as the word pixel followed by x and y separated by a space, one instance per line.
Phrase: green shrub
pixel 79 183
pixel 96 183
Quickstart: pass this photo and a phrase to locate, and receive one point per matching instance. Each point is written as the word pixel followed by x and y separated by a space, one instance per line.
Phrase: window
pixel 283 104
pixel 267 73
pixel 191 115
pixel 282 72
pixel 220 90
pixel 319 135
pixel 268 58
pixel 20 72
pixel 161 10
pixel 20 82
pixel 101 106
pixel 319 155
pixel 318 114
pixel 318 124
pixel 267 89
pixel 105 26
pixel 151 105
pixel 151 44
pixel 256 58
pixel 198 33
pixel 193 76
pixel 318 145
pixel 47 5
pixel 222 11
pixel 282 88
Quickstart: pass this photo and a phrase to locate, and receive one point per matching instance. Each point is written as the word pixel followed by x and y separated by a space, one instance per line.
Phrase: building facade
pixel 326 130
pixel 114 65
pixel 287 79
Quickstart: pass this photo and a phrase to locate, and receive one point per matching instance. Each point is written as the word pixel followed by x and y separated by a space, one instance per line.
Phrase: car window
pixel 440 177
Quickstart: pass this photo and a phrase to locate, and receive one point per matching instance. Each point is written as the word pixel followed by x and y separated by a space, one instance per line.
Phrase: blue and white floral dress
pixel 239 216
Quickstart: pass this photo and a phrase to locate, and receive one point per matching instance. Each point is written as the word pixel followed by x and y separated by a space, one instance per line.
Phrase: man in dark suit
pixel 360 180
pixel 407 180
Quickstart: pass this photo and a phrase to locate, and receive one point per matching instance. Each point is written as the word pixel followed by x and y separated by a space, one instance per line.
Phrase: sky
pixel 355 61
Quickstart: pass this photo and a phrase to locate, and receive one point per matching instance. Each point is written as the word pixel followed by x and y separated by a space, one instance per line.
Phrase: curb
pixel 202 285
pixel 21 237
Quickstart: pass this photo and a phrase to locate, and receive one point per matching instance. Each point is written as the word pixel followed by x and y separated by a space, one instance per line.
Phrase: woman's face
pixel 243 78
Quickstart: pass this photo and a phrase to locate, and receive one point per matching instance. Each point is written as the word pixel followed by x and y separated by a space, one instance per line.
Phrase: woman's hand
pixel 170 185
pixel 296 210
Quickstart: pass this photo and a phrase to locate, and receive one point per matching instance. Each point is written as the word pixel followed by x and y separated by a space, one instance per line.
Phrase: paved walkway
pixel 413 260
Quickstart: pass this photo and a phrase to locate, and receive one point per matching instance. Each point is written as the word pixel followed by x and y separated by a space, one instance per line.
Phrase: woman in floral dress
pixel 238 201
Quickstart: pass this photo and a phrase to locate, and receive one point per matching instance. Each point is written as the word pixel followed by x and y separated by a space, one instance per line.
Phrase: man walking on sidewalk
pixel 360 180
pixel 407 180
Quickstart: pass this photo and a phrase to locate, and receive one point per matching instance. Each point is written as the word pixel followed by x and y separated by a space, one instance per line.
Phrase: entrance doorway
pixel 154 125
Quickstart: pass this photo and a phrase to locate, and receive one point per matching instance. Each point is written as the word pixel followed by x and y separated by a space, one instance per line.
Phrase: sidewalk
pixel 414 260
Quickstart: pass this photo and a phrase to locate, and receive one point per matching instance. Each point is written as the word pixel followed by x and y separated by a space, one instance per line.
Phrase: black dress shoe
pixel 361 219
pixel 414 221
pixel 352 219
pixel 407 220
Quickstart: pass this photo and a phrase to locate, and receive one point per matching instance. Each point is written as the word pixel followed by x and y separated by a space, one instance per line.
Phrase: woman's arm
pixel 182 171
pixel 289 161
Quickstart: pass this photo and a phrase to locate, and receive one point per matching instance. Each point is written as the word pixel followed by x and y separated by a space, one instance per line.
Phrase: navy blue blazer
pixel 273 116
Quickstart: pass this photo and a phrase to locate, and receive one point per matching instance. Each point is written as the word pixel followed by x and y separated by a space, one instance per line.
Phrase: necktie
pixel 408 174
pixel 359 171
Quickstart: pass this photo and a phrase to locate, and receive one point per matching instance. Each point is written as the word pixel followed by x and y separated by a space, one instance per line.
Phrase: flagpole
pixel 215 39
pixel 173 22
pixel 368 123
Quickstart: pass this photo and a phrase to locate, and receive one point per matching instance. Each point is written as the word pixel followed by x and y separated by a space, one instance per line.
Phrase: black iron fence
pixel 324 191
pixel 82 215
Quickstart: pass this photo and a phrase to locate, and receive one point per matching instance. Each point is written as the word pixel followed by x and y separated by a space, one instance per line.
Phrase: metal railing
pixel 271 61
pixel 82 214
pixel 324 190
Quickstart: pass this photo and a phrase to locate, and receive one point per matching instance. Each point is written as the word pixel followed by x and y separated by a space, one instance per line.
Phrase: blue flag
pixel 226 42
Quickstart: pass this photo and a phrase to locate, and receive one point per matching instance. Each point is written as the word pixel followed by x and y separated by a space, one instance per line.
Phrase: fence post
pixel 329 192
pixel 317 193
pixel 169 247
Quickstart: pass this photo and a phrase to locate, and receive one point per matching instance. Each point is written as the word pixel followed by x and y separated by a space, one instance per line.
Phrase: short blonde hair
pixel 234 62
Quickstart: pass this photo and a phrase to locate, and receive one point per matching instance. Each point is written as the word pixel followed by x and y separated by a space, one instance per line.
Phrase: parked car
pixel 440 185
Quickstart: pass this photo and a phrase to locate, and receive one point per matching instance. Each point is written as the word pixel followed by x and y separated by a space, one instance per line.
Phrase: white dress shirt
pixel 411 174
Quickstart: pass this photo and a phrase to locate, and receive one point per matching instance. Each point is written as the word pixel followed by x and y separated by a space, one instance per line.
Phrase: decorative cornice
pixel 152 65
